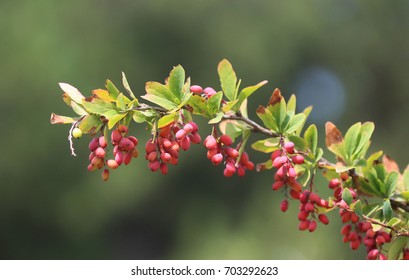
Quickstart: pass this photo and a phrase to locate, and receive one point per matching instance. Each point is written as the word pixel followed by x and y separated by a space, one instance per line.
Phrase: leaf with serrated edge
pixel 57 119
pixel 78 109
pixel 311 136
pixel 127 87
pixel 167 119
pixel 351 139
pixel 72 92
pixel 267 117
pixel 176 81
pixel 103 94
pixel 268 145
pixel 113 91
pixel 347 196
pixel 228 79
pixel 291 105
pixel 246 92
pixel 387 210
pixel 216 119
pixel 165 103
pixel 396 247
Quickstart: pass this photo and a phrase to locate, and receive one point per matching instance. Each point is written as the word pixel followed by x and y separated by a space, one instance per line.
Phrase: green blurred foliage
pixel 52 208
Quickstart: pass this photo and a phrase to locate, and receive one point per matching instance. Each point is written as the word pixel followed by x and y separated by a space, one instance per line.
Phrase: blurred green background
pixel 348 58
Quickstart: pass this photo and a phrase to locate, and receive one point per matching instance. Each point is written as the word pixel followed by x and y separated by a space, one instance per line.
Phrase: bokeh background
pixel 350 59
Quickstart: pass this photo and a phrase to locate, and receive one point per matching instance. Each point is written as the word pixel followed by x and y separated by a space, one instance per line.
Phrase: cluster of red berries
pixel 309 201
pixel 165 148
pixel 284 160
pixel 207 92
pixel 219 150
pixel 124 150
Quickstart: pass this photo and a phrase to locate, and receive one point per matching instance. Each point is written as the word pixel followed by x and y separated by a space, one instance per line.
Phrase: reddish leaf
pixel 390 164
pixel 276 97
pixel 332 134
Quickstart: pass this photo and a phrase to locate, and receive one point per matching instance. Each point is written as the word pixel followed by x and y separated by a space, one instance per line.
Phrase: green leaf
pixel 340 169
pixel 351 139
pixel 267 165
pixel 139 117
pixel 213 103
pixel 97 106
pixel 217 119
pixel 114 119
pixel 300 143
pixel 246 92
pixel 358 208
pixel 318 155
pixel 228 79
pixel 232 128
pixel 363 141
pixel 122 101
pixel 375 183
pixel 90 124
pixel 391 183
pixel 185 99
pixel 72 92
pixel 159 90
pixel 165 103
pixel 268 145
pixel 291 105
pixel 278 111
pixel 167 119
pixel 176 81
pixel 295 122
pixel 306 112
pixel 406 178
pixel 199 105
pixel 229 105
pixel 78 109
pixel 311 137
pixel 128 88
pixel 396 247
pixel 267 118
pixel 113 91
pixel 387 210
pixel 57 119
pixel 347 196
pixel 102 94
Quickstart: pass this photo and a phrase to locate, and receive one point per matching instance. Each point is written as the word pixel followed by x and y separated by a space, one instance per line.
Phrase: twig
pixel 74 124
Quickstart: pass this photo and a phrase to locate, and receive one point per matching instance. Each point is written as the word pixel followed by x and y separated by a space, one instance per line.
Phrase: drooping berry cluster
pixel 219 150
pixel 308 217
pixel 124 150
pixel 164 149
pixel 284 160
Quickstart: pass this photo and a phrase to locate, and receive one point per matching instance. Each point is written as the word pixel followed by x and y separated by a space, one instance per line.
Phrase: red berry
pixel 291 172
pixel 185 143
pixel 134 140
pixel 226 140
pixel 154 165
pixel 303 215
pixel 152 156
pixel 344 176
pixel 294 194
pixel 228 172
pixel 105 175
pixel 275 154
pixel 188 128
pixel 304 197
pixel 346 229
pixel 163 168
pixel 102 142
pixel 165 157
pixel 112 164
pixel 115 136
pixel 241 171
pixel 380 240
pixel 210 142
pixel 334 183
pixel 150 146
pixel 181 134
pixel 303 225
pixel 127 158
pixel 196 89
pixel 100 152
pixel 195 138
pixel 309 207
pixel 323 219
pixel 93 145
pixel 373 254
pixel 211 153
pixel 119 157
pixel 233 153
pixel 354 245
pixel 126 144
pixel 382 257
pixel 91 167
pixel 194 126
pixel 123 129
pixel 249 165
pixel 217 159
pixel 284 205
pixel 298 159
pixel 277 185
pixel 134 153
pixel 353 236
pixel 312 226
pixel 209 91
pixel 289 147
pixel 406 254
